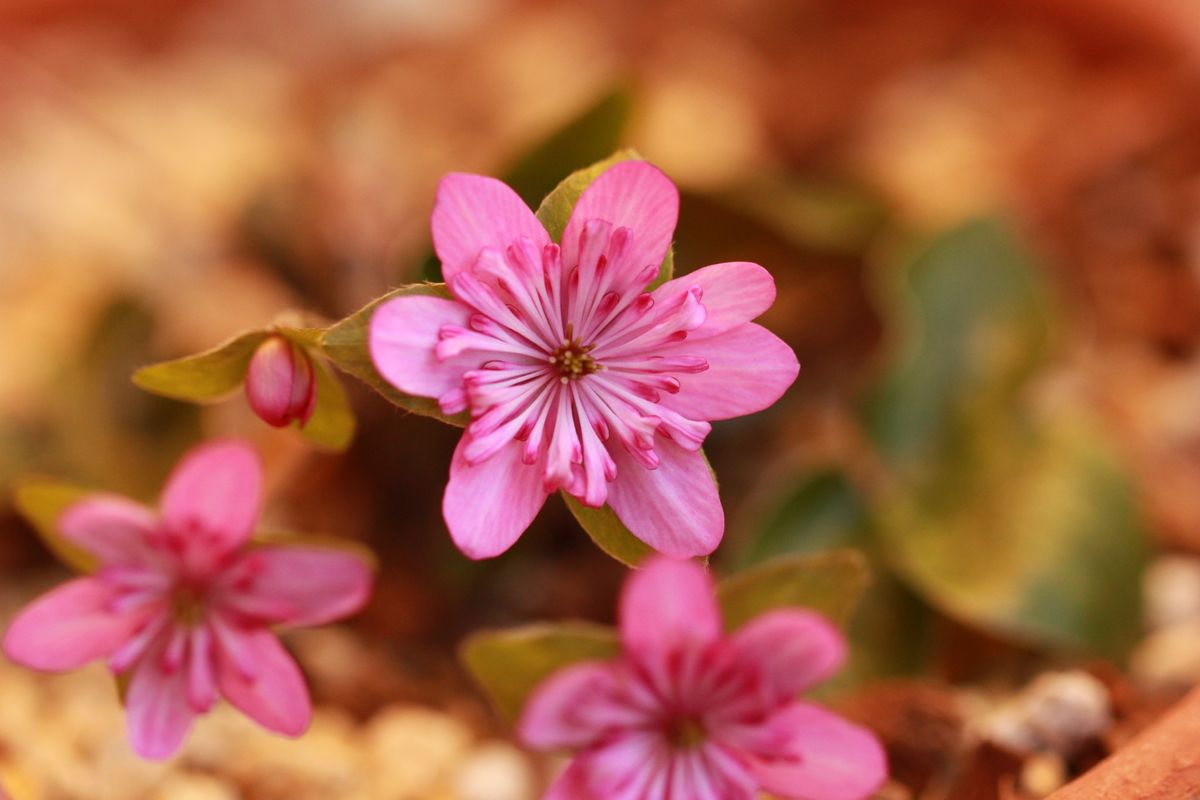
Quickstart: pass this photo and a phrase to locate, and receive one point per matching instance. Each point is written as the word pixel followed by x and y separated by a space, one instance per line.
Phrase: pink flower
pixel 686 713
pixel 185 607
pixel 575 376
pixel 281 383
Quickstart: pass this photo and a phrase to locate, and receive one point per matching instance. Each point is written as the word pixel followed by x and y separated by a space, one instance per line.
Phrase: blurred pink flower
pixel 576 377
pixel 281 383
pixel 686 713
pixel 185 606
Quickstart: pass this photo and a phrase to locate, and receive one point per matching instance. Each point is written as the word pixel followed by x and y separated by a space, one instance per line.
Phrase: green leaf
pixel 830 583
pixel 41 502
pixel 820 216
pixel 345 345
pixel 588 137
pixel 821 512
pixel 973 326
pixel 204 377
pixel 999 513
pixel 556 208
pixel 332 424
pixel 1035 536
pixel 509 664
pixel 608 532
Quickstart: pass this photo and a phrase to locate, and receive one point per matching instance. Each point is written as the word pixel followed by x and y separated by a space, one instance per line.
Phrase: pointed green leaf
pixel 332 424
pixel 829 583
pixel 204 377
pixel 556 208
pixel 608 532
pixel 345 345
pixel 588 137
pixel 509 664
pixel 821 512
pixel 41 502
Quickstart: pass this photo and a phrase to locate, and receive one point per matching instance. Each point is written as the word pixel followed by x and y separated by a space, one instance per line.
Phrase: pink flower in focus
pixel 185 607
pixel 686 713
pixel 281 383
pixel 575 376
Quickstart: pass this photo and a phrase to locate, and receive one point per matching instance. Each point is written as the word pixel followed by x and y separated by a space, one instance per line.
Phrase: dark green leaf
pixel 816 216
pixel 345 344
pixel 587 138
pixel 1001 514
pixel 1036 537
pixel 41 502
pixel 830 583
pixel 973 326
pixel 509 664
pixel 823 511
pixel 204 377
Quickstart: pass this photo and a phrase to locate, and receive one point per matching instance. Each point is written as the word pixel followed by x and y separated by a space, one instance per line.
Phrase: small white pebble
pixel 496 771
pixel 1057 712
pixel 1171 589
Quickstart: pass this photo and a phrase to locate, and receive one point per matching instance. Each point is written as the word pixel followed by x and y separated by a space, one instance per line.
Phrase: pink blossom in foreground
pixel 687 713
pixel 576 377
pixel 281 383
pixel 182 605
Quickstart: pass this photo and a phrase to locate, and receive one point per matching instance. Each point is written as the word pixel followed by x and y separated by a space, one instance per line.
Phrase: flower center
pixel 685 733
pixel 187 605
pixel 572 360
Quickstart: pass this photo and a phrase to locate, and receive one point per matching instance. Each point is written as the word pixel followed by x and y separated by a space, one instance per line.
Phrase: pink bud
pixel 280 384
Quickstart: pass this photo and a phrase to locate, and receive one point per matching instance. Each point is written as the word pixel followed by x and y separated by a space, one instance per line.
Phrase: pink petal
pixel 674 508
pixel 635 765
pixel 828 759
pixel 667 607
pixel 489 505
pixel 695 777
pixel 749 368
pixel 275 696
pixel 733 293
pixel 402 339
pixel 631 194
pixel 794 649
pixel 113 529
pixel 473 212
pixel 303 585
pixel 569 785
pixel 556 714
pixel 70 626
pixel 158 714
pixel 215 492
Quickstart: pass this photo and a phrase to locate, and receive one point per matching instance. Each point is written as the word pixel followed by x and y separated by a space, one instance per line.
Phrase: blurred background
pixel 984 221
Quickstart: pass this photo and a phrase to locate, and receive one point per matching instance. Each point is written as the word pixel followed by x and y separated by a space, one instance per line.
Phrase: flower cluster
pixel 578 371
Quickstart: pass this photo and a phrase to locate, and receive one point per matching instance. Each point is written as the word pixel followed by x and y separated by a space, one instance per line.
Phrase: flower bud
pixel 280 383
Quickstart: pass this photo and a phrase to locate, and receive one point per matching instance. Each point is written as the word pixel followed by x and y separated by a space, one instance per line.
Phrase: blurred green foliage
pixel 994 498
